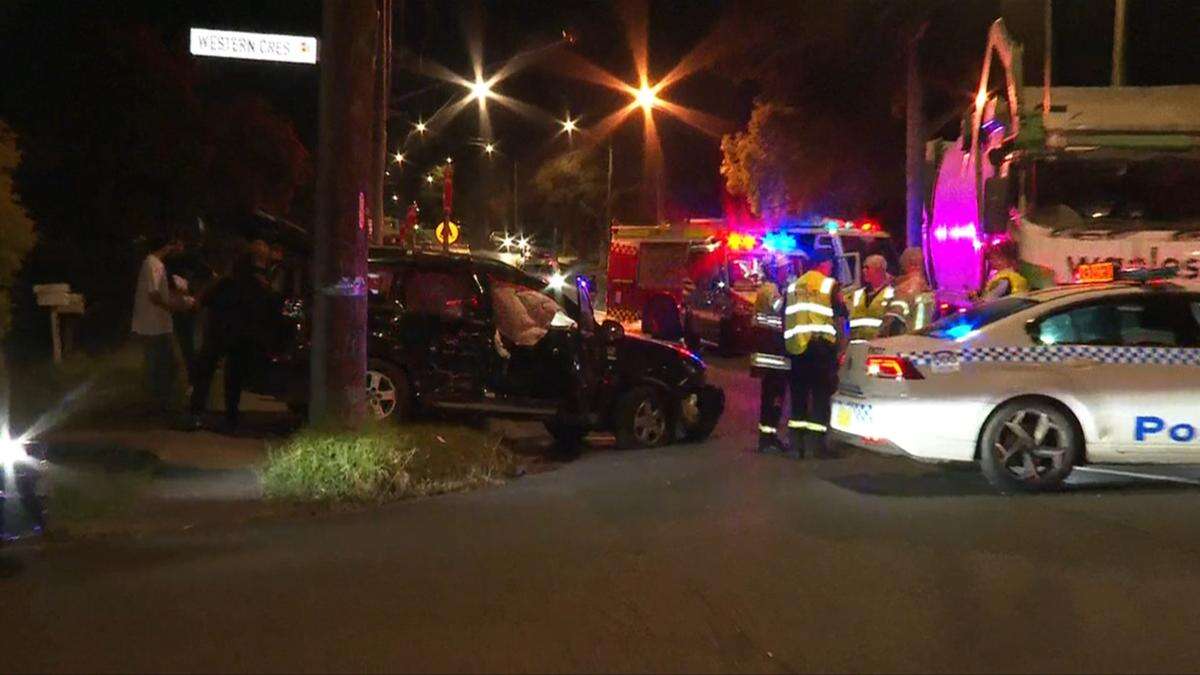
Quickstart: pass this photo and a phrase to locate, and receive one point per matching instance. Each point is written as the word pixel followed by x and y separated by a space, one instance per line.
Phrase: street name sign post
pixel 234 44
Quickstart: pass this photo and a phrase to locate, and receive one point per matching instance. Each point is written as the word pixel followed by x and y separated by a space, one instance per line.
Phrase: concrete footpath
pixel 142 476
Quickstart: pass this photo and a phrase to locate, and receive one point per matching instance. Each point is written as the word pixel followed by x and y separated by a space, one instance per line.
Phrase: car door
pixel 1135 364
pixel 447 322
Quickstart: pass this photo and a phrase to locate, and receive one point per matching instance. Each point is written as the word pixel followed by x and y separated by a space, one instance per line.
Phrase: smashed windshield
pixel 1162 188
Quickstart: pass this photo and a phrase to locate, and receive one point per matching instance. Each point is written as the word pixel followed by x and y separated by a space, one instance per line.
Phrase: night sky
pixel 1162 49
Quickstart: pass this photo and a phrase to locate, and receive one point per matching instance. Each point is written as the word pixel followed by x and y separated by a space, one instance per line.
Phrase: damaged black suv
pixel 443 338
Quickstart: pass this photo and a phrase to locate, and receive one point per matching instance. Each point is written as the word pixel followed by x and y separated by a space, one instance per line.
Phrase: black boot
pixel 769 443
pixel 798 437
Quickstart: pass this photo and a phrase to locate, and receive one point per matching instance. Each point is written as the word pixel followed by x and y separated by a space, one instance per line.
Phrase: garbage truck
pixel 1074 175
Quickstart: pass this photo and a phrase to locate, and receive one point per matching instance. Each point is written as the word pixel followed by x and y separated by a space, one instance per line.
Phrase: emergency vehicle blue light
pixel 779 242
pixel 959 331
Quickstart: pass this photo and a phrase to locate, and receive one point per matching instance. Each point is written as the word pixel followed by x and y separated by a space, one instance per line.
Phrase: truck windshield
pixel 1162 188
pixel 958 326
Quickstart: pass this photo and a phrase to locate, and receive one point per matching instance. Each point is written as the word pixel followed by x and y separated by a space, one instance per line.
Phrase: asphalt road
pixel 690 558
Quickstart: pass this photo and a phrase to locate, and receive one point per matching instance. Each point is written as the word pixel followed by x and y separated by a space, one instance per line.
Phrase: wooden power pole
pixel 914 142
pixel 383 87
pixel 345 187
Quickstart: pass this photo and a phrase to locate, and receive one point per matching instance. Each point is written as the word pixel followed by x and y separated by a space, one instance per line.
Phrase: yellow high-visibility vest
pixel 915 311
pixel 1016 282
pixel 808 312
pixel 866 318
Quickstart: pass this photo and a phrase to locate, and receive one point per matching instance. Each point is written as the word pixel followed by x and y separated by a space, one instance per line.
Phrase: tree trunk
pixel 345 183
pixel 914 166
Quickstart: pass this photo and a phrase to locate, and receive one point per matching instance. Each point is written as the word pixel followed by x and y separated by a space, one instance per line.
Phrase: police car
pixel 1033 385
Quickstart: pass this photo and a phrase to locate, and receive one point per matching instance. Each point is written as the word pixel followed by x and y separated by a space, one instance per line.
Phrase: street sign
pixel 234 44
pixel 447 232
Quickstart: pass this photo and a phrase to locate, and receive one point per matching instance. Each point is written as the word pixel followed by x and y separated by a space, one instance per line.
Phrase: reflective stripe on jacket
pixel 808 312
pixel 866 318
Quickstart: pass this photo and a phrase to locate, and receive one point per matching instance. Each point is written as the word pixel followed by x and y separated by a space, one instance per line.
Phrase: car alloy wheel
pixel 381 394
pixel 649 422
pixel 1032 447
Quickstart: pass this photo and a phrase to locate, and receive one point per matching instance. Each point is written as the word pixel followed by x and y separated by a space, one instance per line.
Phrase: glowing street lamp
pixel 479 90
pixel 429 178
pixel 449 160
pixel 569 125
pixel 421 127
pixel 489 148
pixel 399 157
pixel 645 97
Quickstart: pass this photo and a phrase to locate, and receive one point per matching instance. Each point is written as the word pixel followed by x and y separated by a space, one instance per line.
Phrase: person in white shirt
pixel 153 303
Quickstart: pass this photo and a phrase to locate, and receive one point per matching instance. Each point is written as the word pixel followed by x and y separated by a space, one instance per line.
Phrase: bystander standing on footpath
pixel 153 303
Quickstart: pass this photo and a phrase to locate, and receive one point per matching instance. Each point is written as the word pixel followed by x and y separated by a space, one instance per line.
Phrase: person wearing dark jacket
pixel 243 315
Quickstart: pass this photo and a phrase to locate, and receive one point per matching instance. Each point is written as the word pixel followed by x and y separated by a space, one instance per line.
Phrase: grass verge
pixel 384 462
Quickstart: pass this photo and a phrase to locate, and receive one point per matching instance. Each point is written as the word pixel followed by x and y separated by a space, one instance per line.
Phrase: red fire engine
pixel 697 280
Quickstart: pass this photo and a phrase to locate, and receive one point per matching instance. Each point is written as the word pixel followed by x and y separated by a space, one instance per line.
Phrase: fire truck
pixel 697 280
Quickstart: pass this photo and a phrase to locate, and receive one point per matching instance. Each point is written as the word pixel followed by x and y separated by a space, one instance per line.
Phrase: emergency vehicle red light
pixel 892 368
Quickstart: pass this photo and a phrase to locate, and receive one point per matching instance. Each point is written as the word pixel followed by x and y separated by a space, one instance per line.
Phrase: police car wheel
pixel 642 419
pixel 1028 446
pixel 387 392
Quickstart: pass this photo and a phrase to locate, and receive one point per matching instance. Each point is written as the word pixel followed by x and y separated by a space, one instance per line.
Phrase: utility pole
pixel 383 82
pixel 345 182
pixel 1118 54
pixel 914 142
pixel 606 238
pixel 1047 56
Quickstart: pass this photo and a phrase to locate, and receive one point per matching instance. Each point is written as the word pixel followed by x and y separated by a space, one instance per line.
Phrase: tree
pixel 16 229
pixel 826 134
pixel 256 160
pixel 570 188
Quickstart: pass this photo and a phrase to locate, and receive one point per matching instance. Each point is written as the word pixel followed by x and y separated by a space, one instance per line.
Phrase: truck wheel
pixel 642 419
pixel 1028 446
pixel 725 341
pixel 568 438
pixel 660 319
pixel 388 394
pixel 691 336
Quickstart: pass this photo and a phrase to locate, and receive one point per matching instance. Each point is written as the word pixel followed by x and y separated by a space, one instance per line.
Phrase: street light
pixel 429 178
pixel 489 148
pixel 421 127
pixel 479 90
pixel 399 157
pixel 449 160
pixel 646 97
pixel 569 125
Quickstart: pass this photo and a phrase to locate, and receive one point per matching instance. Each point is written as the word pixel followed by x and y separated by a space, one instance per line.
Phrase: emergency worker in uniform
pixel 869 303
pixel 1003 257
pixel 814 333
pixel 914 304
pixel 769 361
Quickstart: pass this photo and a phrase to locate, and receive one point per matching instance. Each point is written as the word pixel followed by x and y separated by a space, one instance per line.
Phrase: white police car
pixel 1036 384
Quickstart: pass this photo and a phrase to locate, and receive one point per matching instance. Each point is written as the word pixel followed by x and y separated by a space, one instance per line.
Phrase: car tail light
pixel 892 368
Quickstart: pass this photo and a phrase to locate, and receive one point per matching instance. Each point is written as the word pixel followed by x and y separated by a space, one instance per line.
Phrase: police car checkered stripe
pixel 1057 353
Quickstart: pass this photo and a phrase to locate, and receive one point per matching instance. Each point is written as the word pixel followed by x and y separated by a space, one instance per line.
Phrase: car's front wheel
pixel 1029 446
pixel 387 392
pixel 642 419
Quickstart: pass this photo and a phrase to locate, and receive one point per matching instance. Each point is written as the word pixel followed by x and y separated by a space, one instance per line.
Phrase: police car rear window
pixel 958 325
